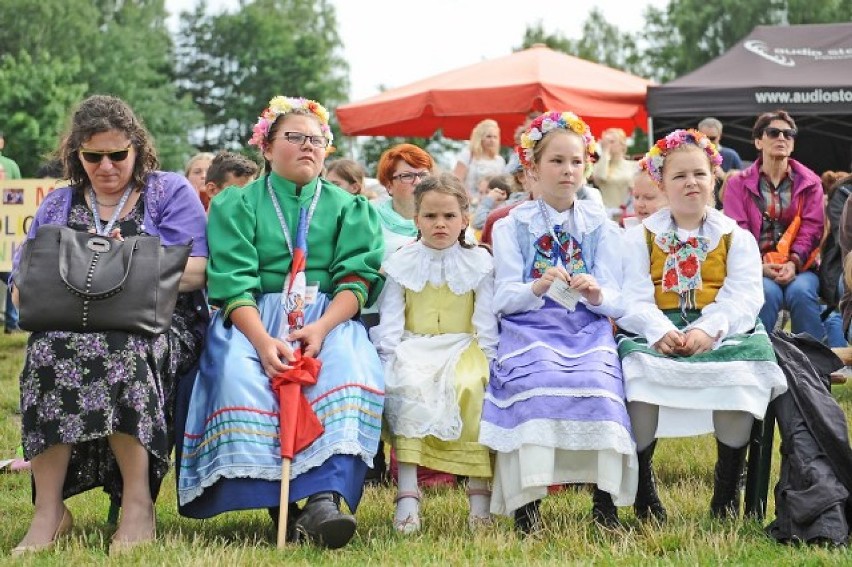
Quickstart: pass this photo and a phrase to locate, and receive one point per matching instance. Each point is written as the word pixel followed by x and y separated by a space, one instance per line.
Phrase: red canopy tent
pixel 504 89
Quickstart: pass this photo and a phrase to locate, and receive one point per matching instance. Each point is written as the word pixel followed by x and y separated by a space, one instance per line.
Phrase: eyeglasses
pixel 299 139
pixel 410 176
pixel 714 139
pixel 96 156
pixel 789 133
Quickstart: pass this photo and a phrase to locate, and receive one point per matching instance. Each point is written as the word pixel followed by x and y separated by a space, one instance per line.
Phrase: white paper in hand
pixel 563 295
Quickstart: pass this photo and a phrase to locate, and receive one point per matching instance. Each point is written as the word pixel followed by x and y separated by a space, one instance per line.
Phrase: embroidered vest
pixel 713 272
pixel 588 246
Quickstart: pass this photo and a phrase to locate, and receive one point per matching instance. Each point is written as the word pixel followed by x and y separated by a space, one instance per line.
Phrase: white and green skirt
pixel 739 374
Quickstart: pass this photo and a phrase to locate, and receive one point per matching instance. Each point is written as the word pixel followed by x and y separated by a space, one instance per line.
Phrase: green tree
pixel 535 34
pixel 689 33
pixel 34 100
pixel 233 63
pixel 119 47
pixel 601 42
pixel 437 146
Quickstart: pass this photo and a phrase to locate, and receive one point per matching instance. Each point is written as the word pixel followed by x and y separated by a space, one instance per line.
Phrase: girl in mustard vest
pixel 695 357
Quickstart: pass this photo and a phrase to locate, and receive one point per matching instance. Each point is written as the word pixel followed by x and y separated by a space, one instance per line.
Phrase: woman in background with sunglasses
pixel 768 197
pixel 97 407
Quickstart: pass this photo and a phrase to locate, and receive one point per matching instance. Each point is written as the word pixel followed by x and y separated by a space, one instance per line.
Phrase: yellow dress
pixel 437 311
pixel 436 336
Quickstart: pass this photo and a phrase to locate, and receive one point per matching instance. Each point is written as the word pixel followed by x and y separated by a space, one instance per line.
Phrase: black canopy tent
pixel 805 70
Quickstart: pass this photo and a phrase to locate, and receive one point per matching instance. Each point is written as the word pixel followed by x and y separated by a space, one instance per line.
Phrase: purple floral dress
pixel 79 388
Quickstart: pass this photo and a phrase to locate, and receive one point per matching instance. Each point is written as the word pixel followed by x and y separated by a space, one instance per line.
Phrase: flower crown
pixel 550 121
pixel 280 105
pixel 656 157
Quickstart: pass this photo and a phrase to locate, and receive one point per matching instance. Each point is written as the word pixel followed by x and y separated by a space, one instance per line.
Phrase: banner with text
pixel 19 199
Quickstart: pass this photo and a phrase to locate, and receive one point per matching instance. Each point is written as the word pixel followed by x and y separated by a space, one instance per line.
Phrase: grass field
pixel 684 469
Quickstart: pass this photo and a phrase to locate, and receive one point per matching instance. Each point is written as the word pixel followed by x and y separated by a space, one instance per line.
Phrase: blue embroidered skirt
pixel 229 457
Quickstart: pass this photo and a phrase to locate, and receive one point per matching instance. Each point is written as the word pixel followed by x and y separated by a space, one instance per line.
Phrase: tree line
pixel 200 89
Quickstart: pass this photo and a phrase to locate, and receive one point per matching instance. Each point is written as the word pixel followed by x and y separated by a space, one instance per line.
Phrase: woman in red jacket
pixel 765 199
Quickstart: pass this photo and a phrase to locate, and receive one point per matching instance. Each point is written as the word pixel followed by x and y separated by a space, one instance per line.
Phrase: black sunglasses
pixel 95 156
pixel 789 133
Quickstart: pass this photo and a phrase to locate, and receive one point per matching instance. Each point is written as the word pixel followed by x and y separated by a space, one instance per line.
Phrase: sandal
pixel 66 524
pixel 411 523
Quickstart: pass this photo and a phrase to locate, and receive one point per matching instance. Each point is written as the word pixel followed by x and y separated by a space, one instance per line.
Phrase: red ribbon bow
pixel 299 425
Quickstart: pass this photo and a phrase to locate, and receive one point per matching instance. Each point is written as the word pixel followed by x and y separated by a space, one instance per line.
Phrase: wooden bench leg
pixel 759 465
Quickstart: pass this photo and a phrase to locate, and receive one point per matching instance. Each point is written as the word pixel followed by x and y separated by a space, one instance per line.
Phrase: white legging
pixel 733 428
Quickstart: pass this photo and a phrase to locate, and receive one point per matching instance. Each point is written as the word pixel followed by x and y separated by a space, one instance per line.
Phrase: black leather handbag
pixel 70 280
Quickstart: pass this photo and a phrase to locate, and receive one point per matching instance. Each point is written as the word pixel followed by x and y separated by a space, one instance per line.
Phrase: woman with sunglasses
pixel 97 407
pixel 230 454
pixel 768 197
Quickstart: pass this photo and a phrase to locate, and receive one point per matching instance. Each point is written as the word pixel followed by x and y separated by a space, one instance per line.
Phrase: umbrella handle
pixel 283 507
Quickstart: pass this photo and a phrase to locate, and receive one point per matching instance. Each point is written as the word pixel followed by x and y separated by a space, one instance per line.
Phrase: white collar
pixel 585 216
pixel 415 264
pixel 715 224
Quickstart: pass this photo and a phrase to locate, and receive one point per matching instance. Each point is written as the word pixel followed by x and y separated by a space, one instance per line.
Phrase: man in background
pixel 228 169
pixel 712 128
pixel 731 161
pixel 11 169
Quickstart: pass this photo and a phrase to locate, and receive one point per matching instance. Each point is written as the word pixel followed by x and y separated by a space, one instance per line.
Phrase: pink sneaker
pixel 19 465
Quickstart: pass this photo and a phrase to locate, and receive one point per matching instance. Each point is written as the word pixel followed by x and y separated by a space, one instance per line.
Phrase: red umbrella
pixel 504 89
pixel 298 425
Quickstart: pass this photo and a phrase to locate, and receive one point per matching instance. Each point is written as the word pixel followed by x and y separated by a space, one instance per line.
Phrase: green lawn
pixel 684 470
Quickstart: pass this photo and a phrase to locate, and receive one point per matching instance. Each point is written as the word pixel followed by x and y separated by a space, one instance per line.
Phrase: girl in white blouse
pixel 436 335
pixel 695 358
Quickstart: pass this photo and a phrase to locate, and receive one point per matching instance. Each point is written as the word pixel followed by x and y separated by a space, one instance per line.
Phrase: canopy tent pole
pixel 651 136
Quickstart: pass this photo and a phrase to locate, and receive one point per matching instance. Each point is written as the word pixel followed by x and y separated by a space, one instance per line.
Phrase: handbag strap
pixel 85 293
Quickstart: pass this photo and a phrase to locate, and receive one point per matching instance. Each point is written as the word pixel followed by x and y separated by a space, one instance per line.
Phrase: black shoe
pixel 528 518
pixel 378 473
pixel 322 523
pixel 648 503
pixel 293 512
pixel 726 481
pixel 604 512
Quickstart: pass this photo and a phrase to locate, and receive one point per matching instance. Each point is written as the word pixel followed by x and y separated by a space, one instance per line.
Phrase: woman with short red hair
pixel 400 169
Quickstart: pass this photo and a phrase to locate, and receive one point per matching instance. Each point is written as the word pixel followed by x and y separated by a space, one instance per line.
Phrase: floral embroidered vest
pixel 538 253
pixel 713 272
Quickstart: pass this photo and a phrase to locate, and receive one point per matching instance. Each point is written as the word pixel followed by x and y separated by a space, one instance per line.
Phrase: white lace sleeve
pixel 606 271
pixel 741 296
pixel 484 320
pixel 388 333
pixel 641 314
pixel 511 294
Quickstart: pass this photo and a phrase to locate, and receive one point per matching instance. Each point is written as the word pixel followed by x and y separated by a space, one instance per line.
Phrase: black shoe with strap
pixel 322 523
pixel 726 481
pixel 604 512
pixel 647 504
pixel 528 518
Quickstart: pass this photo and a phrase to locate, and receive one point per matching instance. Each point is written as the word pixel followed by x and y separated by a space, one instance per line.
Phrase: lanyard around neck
pixel 285 228
pixel 554 234
pixel 115 214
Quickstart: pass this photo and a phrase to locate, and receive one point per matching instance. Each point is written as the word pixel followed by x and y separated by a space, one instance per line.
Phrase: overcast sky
pixel 393 42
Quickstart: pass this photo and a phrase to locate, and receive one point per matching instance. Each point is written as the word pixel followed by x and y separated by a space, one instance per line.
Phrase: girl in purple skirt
pixel 554 408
